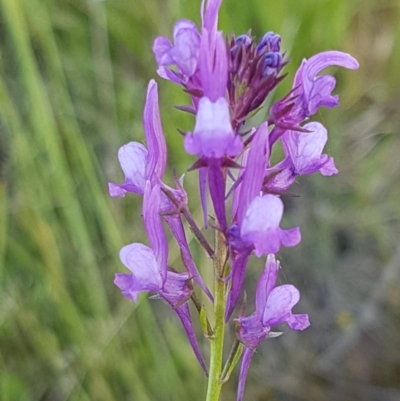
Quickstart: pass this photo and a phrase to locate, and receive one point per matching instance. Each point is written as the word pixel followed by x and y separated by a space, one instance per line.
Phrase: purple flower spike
pixel 184 53
pixel 273 307
pixel 132 158
pixel 305 150
pixel 213 136
pixel 260 226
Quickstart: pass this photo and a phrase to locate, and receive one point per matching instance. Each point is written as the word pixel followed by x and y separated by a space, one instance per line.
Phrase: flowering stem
pixel 217 341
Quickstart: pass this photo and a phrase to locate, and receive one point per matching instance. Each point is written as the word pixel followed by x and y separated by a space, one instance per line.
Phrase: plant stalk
pixel 217 341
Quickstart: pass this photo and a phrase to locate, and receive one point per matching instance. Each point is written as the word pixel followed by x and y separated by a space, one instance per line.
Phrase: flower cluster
pixel 227 80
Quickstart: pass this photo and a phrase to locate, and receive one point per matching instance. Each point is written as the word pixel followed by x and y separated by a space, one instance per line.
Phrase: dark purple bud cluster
pixel 254 70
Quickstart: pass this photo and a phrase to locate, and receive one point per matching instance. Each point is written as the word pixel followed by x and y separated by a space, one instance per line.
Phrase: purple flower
pixel 260 226
pixel 184 53
pixel 132 158
pixel 149 269
pixel 258 217
pixel 254 163
pixel 213 136
pixel 309 92
pixel 139 163
pixel 303 152
pixel 273 307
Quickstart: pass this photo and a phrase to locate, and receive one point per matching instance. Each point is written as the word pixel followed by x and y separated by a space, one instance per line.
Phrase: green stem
pixel 217 341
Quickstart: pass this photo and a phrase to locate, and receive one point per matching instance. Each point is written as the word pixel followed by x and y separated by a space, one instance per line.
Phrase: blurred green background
pixel 73 75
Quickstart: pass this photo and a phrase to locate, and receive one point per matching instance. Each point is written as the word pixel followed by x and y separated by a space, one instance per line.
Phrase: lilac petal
pixel 213 65
pixel 291 237
pixel 238 274
pixel 176 290
pixel 255 170
pixel 169 75
pixel 251 331
pixel 317 91
pixel 216 182
pixel 125 282
pixel 161 49
pixel 157 149
pixel 132 158
pixel 184 315
pixel 305 148
pixel 154 228
pixel 284 179
pixel 210 16
pixel 320 94
pixel 119 190
pixel 298 322
pixel 187 49
pixel 279 304
pixel 238 187
pixel 329 168
pixel 266 283
pixel 183 24
pixel 175 223
pixel 261 224
pixel 141 261
pixel 244 369
pixel 203 193
pixel 323 60
pixel 213 136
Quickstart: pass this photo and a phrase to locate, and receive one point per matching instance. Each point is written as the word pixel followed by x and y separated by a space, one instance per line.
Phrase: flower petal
pixel 298 322
pixel 279 305
pixel 184 315
pixel 253 176
pixel 161 49
pixel 154 228
pixel 132 158
pixel 238 273
pixel 213 65
pixel 213 136
pixel 216 182
pixel 157 149
pixel 260 225
pixel 244 369
pixel 266 283
pixel 187 49
pixel 141 261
